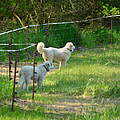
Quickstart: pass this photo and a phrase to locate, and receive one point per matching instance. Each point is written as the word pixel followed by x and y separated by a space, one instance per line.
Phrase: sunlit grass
pixel 87 73
pixel 92 73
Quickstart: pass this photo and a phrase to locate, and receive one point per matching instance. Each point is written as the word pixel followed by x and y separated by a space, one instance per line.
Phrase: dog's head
pixel 70 46
pixel 48 65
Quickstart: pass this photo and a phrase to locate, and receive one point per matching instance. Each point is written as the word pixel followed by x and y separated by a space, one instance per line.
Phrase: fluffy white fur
pixel 26 74
pixel 60 55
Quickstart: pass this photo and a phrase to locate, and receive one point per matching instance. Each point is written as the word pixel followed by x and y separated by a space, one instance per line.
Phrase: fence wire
pixel 89 80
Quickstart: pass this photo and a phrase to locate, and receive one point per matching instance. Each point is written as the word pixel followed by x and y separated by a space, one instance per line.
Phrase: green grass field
pixel 88 88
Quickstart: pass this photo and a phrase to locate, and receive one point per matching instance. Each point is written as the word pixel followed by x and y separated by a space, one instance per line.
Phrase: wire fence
pixel 13 57
pixel 87 33
pixel 73 80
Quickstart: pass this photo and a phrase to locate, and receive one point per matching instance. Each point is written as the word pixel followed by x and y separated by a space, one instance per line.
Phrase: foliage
pixel 94 36
pixel 5 88
pixel 16 13
pixel 109 10
pixel 59 35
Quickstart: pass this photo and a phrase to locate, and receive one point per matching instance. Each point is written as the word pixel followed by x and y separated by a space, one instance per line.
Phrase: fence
pixel 87 33
pixel 89 73
pixel 11 61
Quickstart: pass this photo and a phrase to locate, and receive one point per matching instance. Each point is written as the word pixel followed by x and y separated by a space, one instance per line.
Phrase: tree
pixel 24 12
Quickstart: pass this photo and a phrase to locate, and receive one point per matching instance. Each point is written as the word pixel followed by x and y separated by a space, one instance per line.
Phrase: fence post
pixel 27 40
pixel 46 34
pixel 14 82
pixel 111 29
pixel 34 63
pixel 10 58
pixel 10 62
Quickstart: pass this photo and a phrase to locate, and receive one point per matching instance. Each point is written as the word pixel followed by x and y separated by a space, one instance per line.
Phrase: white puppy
pixel 26 74
pixel 60 55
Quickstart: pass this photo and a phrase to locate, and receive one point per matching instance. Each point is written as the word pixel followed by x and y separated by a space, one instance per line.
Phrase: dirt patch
pixel 4 68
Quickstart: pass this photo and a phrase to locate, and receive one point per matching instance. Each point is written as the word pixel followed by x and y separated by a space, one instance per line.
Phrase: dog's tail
pixel 40 47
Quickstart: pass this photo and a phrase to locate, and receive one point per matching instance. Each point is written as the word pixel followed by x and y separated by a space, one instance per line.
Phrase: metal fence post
pixel 10 62
pixel 111 29
pixel 10 58
pixel 46 35
pixel 14 82
pixel 34 63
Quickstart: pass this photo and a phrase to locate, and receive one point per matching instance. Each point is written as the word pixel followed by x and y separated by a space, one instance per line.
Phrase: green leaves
pixel 109 10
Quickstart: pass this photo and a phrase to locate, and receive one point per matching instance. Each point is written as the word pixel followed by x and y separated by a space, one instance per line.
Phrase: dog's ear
pixel 72 47
pixel 47 64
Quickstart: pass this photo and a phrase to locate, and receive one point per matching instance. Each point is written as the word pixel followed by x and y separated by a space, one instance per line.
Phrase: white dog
pixel 26 74
pixel 60 55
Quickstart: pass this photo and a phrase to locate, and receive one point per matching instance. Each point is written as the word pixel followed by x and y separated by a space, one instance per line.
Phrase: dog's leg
pixel 39 82
pixel 45 55
pixel 27 83
pixel 61 64
pixel 22 80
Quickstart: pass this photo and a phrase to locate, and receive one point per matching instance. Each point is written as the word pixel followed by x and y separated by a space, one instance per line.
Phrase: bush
pixel 98 37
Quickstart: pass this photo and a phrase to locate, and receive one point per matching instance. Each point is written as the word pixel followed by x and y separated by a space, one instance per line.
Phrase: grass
pixel 5 88
pixel 88 88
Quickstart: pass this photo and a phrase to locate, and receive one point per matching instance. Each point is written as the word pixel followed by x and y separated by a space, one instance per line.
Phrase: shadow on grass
pixel 65 107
